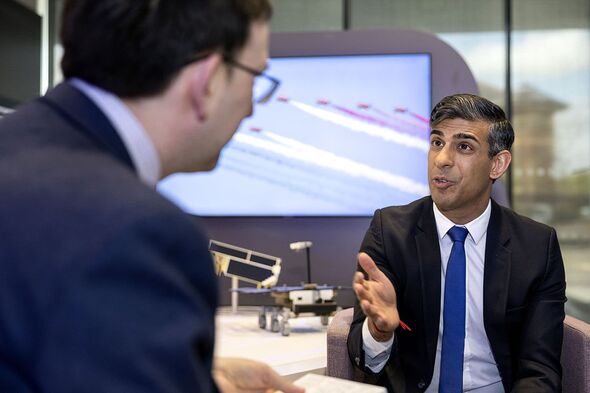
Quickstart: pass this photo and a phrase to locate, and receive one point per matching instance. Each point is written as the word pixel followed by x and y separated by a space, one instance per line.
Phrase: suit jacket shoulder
pixel 104 282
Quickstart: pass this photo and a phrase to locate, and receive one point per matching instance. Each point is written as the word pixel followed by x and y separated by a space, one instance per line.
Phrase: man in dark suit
pixel 106 286
pixel 459 293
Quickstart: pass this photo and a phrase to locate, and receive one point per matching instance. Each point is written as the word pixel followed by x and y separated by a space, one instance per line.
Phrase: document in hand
pixel 314 383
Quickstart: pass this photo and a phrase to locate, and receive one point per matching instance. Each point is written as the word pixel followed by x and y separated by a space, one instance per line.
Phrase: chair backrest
pixel 338 363
pixel 575 354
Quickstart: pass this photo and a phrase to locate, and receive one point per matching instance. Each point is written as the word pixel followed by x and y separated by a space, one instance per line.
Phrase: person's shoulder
pixel 403 218
pixel 30 114
pixel 36 131
pixel 120 196
pixel 523 224
pixel 81 186
pixel 411 210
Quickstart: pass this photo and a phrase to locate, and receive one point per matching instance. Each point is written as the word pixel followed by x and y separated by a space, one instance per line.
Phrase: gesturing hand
pixel 237 375
pixel 377 299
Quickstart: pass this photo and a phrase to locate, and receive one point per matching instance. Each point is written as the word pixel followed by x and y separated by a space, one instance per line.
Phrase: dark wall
pixel 333 255
pixel 20 53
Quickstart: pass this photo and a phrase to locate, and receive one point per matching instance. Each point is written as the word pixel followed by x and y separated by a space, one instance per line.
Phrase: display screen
pixel 343 136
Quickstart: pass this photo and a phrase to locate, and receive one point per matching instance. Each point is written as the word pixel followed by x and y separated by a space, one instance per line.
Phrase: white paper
pixel 314 383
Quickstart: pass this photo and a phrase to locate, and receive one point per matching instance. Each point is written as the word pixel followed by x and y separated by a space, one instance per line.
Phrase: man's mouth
pixel 442 182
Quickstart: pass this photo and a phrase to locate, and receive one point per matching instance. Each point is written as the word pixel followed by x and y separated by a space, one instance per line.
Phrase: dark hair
pixel 135 48
pixel 473 108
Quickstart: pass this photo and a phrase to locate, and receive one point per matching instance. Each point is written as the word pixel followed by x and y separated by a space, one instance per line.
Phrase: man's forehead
pixel 451 127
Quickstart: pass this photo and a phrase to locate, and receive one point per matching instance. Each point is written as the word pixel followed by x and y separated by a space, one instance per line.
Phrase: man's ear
pixel 205 77
pixel 500 164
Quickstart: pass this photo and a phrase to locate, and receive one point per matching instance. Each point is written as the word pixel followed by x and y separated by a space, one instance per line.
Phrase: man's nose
pixel 445 157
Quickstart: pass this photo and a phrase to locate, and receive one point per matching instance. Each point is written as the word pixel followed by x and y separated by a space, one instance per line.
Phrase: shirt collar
pixel 136 140
pixel 477 228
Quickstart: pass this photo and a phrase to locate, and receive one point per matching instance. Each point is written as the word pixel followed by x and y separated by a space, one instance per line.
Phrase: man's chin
pixel 210 165
pixel 203 166
pixel 443 202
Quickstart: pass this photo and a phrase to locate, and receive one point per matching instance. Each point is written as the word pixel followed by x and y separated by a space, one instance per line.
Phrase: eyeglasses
pixel 264 85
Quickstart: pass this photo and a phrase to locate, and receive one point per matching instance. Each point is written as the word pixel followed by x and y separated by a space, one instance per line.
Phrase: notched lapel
pixel 496 279
pixel 430 271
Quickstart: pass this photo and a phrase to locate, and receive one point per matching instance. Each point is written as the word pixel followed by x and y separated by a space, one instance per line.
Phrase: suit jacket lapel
pixel 430 268
pixel 89 119
pixel 496 279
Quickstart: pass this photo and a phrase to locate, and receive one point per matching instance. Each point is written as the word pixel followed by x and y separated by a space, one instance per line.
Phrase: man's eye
pixel 436 143
pixel 465 147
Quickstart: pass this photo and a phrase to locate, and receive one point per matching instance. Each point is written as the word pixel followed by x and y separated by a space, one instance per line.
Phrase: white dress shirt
pixel 480 373
pixel 136 140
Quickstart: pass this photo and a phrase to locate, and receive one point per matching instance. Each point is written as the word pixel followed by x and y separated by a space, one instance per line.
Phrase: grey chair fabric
pixel 575 355
pixel 338 363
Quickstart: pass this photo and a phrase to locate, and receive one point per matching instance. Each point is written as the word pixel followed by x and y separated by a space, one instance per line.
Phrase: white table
pixel 303 351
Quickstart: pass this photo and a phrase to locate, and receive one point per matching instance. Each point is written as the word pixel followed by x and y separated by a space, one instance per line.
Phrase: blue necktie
pixel 453 342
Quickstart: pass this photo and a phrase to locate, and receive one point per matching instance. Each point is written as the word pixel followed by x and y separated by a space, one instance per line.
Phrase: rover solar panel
pixel 244 264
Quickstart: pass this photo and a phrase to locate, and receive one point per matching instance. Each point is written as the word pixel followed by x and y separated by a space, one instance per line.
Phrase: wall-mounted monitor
pixel 342 136
pixel 345 134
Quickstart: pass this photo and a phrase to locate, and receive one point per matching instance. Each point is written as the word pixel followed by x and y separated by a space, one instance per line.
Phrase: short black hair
pixel 475 108
pixel 135 48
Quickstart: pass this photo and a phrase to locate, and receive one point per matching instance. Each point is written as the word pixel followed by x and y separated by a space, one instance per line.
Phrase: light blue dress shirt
pixel 136 140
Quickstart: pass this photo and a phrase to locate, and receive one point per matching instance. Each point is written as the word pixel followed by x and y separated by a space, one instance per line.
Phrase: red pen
pixel 404 326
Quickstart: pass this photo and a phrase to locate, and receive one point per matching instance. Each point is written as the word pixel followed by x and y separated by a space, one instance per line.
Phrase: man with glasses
pixel 106 286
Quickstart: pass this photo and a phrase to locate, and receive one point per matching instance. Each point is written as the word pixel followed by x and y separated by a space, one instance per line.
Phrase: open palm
pixel 377 299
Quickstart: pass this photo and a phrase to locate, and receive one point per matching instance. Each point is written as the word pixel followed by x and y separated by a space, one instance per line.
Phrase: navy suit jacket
pixel 105 286
pixel 524 295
